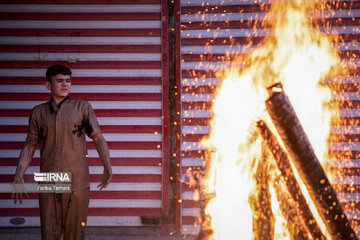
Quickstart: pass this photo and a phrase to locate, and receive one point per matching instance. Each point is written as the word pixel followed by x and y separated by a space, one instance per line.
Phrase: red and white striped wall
pixel 118 52
pixel 207 30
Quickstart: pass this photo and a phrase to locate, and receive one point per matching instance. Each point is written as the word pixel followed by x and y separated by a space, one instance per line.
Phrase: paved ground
pixel 97 233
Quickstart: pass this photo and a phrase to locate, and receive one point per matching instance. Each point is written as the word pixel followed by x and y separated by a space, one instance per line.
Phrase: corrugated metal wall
pixel 208 29
pixel 117 50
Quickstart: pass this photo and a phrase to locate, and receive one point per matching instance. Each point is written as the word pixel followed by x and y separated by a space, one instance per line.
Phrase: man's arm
pixel 26 155
pixel 104 154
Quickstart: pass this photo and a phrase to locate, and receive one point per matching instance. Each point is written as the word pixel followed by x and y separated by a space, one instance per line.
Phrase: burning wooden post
pixel 297 229
pixel 307 164
pixel 283 164
pixel 260 201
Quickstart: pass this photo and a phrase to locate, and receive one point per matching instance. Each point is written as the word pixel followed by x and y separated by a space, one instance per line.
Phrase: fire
pixel 230 173
pixel 298 56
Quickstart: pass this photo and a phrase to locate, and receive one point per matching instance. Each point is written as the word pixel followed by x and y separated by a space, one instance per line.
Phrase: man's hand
pixel 19 189
pixel 106 178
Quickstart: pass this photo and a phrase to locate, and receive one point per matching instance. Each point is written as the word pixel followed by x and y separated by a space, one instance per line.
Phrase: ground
pixel 97 233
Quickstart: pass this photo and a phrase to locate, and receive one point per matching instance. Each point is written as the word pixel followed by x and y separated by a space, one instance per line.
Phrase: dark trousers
pixel 64 212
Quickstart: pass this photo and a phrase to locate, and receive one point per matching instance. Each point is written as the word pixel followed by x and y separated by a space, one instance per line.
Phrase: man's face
pixel 59 86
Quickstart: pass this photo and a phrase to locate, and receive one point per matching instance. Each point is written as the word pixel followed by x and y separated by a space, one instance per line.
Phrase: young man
pixel 59 127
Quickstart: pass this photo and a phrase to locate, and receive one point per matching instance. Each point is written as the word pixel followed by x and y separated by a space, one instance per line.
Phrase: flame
pixel 228 176
pixel 299 56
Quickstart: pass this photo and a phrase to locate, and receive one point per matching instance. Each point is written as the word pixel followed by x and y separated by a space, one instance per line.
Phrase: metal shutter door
pixel 115 49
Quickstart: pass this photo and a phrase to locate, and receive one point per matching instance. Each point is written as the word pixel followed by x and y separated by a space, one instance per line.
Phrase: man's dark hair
pixel 57 69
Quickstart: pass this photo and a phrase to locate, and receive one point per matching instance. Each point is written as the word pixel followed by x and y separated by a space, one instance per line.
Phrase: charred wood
pixel 302 154
pixel 297 229
pixel 283 164
pixel 260 201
